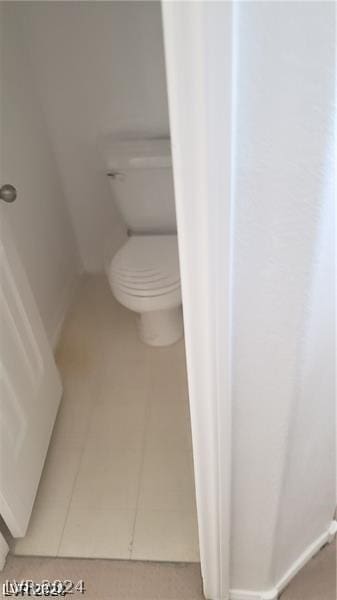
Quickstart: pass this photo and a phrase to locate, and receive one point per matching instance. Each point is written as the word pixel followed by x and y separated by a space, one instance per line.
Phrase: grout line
pixel 141 469
pixel 85 439
pixel 74 482
pixel 99 383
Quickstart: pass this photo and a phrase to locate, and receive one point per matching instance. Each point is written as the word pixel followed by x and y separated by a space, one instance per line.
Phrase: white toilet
pixel 144 273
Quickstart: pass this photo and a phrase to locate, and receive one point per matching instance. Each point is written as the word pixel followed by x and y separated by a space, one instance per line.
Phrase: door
pixel 30 389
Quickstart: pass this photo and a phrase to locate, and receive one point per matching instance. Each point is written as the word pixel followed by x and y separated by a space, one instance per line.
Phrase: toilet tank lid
pixel 139 154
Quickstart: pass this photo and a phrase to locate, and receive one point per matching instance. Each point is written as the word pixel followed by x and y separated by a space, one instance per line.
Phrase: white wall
pixel 284 425
pixel 39 218
pixel 311 457
pixel 100 71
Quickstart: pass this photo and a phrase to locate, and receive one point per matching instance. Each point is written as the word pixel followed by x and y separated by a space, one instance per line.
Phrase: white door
pixel 30 389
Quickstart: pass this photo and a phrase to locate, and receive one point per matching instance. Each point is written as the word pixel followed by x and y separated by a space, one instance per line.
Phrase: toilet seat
pixel 144 273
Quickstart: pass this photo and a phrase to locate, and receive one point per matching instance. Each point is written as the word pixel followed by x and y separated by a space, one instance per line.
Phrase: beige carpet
pixel 132 580
pixel 113 579
pixel 317 581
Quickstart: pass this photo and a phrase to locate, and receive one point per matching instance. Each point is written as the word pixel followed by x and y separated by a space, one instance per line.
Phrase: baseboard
pixel 66 301
pixel 248 595
pixel 307 555
pixel 3 551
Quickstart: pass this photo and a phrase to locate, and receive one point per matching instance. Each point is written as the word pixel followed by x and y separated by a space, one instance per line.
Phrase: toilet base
pixel 161 327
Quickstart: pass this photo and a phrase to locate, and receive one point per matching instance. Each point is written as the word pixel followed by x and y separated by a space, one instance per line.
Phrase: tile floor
pixel 118 479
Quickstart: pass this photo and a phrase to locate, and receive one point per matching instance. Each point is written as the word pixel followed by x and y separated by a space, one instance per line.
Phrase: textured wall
pixel 100 70
pixel 310 462
pixel 39 218
pixel 283 367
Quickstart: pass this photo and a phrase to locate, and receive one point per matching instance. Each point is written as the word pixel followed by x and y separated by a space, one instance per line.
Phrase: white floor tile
pixel 117 425
pixel 73 419
pixel 128 375
pixel 167 481
pixel 97 533
pixel 44 532
pixel 107 479
pixel 58 477
pixel 166 535
pixel 169 425
pixel 168 368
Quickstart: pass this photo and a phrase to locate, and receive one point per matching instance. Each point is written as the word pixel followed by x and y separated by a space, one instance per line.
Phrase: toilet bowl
pixel 144 277
pixel 144 273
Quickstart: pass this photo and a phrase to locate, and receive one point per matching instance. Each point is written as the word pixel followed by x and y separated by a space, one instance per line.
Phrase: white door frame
pixel 198 52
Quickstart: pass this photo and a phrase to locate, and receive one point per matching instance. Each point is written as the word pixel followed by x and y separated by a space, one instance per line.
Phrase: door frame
pixel 198 40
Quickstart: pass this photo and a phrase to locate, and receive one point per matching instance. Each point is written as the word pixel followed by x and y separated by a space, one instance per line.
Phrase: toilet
pixel 144 274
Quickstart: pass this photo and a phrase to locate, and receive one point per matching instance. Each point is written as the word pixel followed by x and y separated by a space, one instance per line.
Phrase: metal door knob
pixel 8 192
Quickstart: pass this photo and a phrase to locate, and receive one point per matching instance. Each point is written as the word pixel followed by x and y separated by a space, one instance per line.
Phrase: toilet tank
pixel 140 173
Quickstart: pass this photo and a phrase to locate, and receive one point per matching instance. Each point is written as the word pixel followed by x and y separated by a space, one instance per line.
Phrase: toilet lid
pixel 147 266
